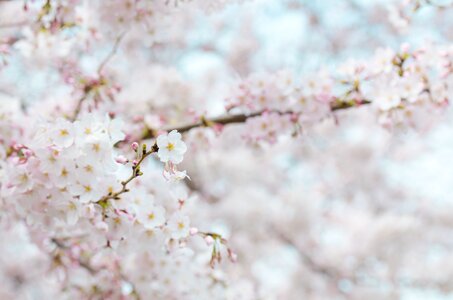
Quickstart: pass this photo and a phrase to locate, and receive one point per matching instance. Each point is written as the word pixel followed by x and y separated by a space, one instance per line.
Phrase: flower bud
pixel 121 159
pixel 233 257
pixel 134 146
pixel 209 240
pixel 27 153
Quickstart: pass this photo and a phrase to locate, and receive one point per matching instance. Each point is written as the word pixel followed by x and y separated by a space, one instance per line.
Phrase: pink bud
pixel 27 152
pixel 121 159
pixel 233 257
pixel 218 128
pixel 134 162
pixel 209 240
pixel 193 231
pixel 134 146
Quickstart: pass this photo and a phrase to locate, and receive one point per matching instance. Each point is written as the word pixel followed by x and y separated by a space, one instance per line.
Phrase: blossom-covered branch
pixel 239 118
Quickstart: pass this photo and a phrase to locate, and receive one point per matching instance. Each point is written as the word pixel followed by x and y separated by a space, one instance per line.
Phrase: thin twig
pixel 79 106
pixel 81 263
pixel 135 173
pixel 89 88
pixel 334 276
pixel 112 53
pixel 440 6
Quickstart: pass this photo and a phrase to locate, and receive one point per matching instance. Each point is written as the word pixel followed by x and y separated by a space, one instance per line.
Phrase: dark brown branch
pixel 135 173
pixel 240 118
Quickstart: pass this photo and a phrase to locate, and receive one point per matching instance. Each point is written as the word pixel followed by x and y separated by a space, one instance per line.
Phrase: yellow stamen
pixel 181 226
pixel 96 147
pixel 170 146
pixel 64 132
pixel 23 178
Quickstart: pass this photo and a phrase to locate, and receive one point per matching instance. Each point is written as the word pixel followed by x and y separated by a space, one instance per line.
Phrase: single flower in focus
pixel 171 147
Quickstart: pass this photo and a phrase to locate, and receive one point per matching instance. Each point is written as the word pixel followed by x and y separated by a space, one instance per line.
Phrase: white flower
pixel 63 133
pixel 21 179
pixel 49 158
pixel 383 91
pixel 151 216
pixel 115 129
pixel 87 190
pixel 88 168
pixel 179 225
pixel 171 174
pixel 285 82
pixel 63 174
pixel 171 147
pixel 88 127
pixel 410 88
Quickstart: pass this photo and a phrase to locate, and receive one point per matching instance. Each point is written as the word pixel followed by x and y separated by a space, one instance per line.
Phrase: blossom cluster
pixel 74 189
pixel 95 195
pixel 397 85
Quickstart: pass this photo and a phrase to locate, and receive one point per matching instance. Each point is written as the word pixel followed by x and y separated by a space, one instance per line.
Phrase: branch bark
pixel 239 118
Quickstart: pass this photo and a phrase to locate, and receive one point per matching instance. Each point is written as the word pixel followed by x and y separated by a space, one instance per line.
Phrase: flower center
pixel 64 132
pixel 170 146
pixel 96 148
pixel 23 178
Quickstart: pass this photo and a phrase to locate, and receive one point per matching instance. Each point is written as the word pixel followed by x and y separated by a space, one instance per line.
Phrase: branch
pixel 112 53
pixel 79 105
pixel 240 118
pixel 331 274
pixel 135 173
pixel 437 5
pixel 334 276
pixel 81 263
pixel 90 87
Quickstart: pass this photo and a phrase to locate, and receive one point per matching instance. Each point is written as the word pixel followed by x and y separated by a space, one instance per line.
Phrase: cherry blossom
pixel 192 149
pixel 171 148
